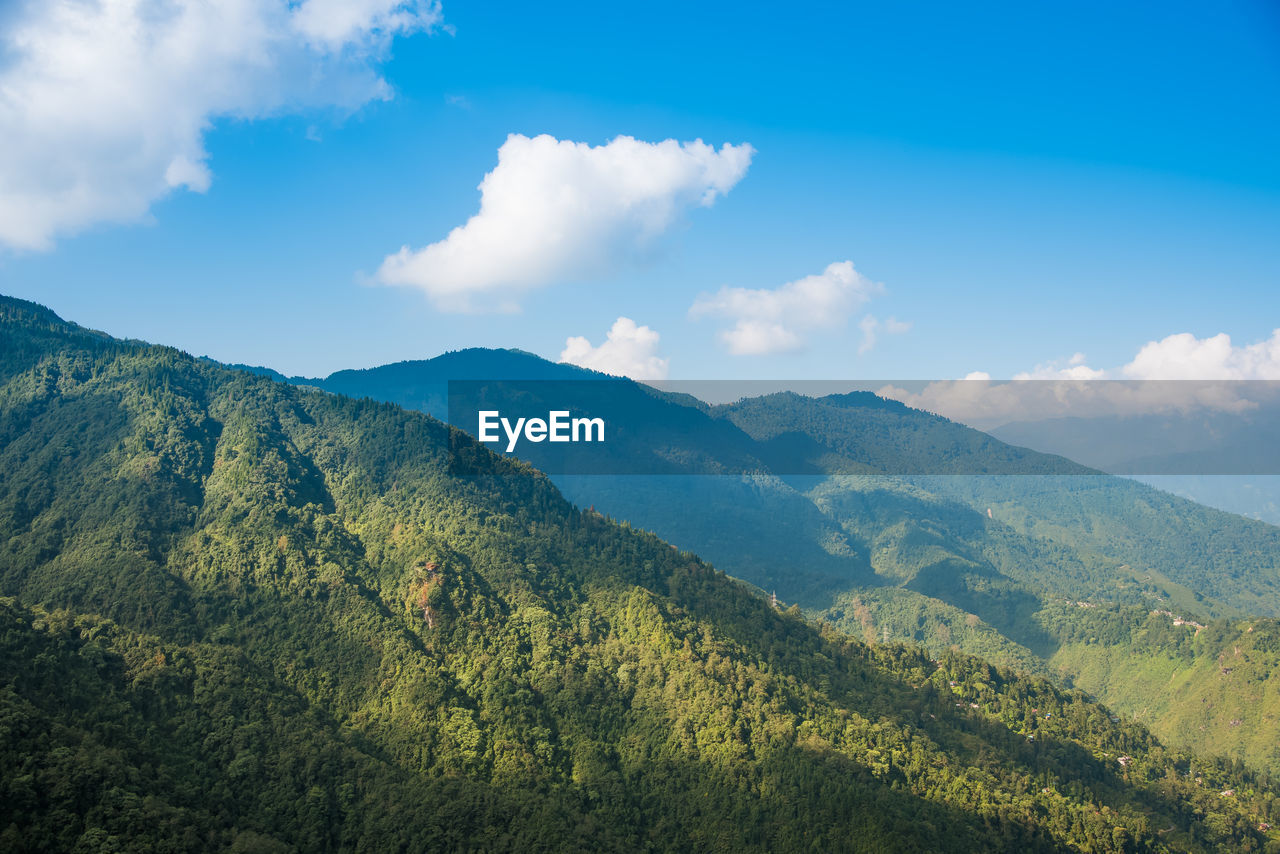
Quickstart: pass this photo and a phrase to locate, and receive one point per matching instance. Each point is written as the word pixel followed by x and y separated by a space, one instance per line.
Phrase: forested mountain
pixel 250 616
pixel 1219 681
pixel 896 524
pixel 861 433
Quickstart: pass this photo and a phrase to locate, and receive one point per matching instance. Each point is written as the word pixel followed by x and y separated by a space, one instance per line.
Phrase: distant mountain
pixel 860 433
pixel 1196 441
pixel 248 616
pixel 1257 496
pixel 919 547
pixel 796 444
pixel 423 384
pixel 1227 460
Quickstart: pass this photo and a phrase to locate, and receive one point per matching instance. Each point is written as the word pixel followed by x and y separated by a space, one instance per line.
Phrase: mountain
pixel 860 433
pixel 423 384
pixel 249 616
pixel 1194 439
pixel 1257 497
pixel 896 524
pixel 1218 680
pixel 1126 539
pixel 1226 459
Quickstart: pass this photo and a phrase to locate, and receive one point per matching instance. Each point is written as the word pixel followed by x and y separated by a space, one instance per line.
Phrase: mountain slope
pixel 1226 460
pixel 260 617
pixel 978 562
pixel 860 433
pixel 788 436
pixel 1220 680
pixel 1232 564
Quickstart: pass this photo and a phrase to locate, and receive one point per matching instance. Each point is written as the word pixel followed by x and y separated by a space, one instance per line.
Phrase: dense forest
pixel 245 615
pixel 897 524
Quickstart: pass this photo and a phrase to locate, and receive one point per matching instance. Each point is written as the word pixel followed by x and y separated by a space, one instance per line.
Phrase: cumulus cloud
pixel 1186 357
pixel 1074 369
pixel 1177 357
pixel 105 103
pixel 339 24
pixel 1178 373
pixel 555 209
pixel 628 351
pixel 776 320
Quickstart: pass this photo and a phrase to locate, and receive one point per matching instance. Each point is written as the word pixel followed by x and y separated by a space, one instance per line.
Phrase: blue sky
pixel 1025 183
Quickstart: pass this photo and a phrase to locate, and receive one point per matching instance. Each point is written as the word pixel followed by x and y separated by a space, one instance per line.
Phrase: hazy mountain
pixel 1257 497
pixel 1191 441
pixel 1228 460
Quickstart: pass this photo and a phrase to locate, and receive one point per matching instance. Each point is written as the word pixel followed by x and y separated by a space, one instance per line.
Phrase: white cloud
pixel 1185 357
pixel 1074 369
pixel 339 24
pixel 105 103
pixel 1178 373
pixel 554 209
pixel 1178 357
pixel 775 321
pixel 628 351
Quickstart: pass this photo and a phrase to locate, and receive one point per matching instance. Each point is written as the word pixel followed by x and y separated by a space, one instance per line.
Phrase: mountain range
pixel 249 615
pixel 895 524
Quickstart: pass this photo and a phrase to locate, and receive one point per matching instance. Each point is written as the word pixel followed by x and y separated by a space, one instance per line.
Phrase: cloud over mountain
pixel 628 351
pixel 555 209
pixel 104 104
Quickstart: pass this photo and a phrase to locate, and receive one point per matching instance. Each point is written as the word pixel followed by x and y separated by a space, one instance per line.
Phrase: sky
pixel 691 191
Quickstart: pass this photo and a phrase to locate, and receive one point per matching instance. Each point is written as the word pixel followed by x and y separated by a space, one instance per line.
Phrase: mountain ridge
pixel 221 566
pixel 974 561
